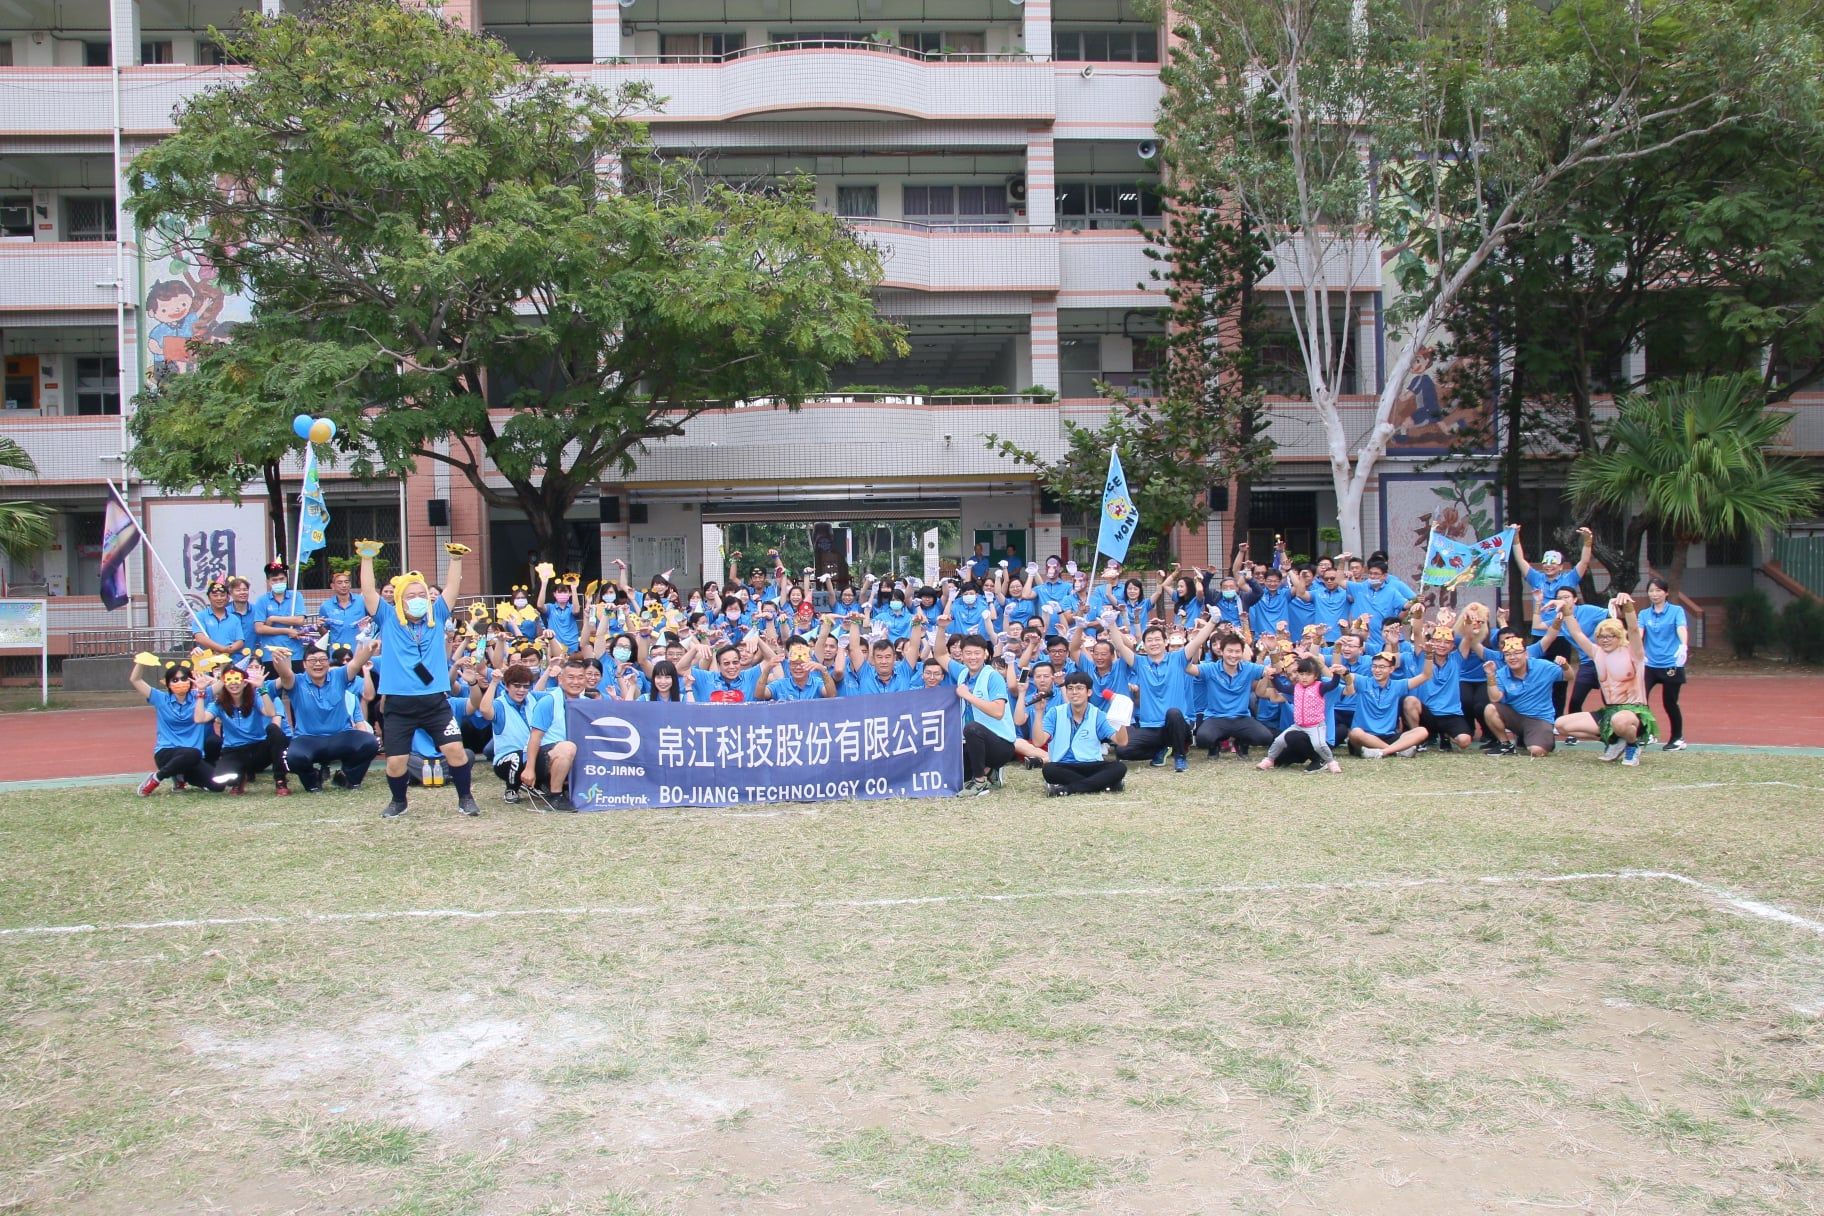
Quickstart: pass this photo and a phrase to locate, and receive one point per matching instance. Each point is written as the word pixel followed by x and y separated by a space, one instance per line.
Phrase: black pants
pixel 1671 683
pixel 1343 720
pixel 183 762
pixel 355 749
pixel 1144 741
pixel 1298 749
pixel 1581 689
pixel 1475 699
pixel 1565 649
pixel 1247 732
pixel 251 758
pixel 983 750
pixel 1085 778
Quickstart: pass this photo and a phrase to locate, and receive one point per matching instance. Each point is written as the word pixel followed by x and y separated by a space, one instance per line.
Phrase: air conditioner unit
pixel 1016 189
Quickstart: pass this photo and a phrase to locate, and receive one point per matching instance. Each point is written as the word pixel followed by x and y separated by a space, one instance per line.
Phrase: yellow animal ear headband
pixel 399 583
pixel 1511 644
pixel 1442 633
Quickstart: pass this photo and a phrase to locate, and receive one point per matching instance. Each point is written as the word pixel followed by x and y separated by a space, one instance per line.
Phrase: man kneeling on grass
pixel 1072 735
pixel 1520 696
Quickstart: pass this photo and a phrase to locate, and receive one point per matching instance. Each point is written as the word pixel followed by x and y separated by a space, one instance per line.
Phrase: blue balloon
pixel 300 426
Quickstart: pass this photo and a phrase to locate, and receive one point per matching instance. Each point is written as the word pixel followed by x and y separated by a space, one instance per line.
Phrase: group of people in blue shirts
pixel 1073 675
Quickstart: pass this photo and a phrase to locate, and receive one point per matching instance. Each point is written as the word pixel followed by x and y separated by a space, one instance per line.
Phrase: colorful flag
pixel 313 518
pixel 1500 551
pixel 1448 561
pixel 1120 517
pixel 119 537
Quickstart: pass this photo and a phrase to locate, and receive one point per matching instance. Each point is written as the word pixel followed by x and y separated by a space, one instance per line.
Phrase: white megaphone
pixel 1118 708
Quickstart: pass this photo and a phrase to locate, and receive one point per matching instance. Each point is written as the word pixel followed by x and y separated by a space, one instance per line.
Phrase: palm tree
pixel 25 527
pixel 1691 457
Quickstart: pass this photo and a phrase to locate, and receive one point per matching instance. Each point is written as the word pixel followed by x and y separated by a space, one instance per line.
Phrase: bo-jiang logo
pixel 616 738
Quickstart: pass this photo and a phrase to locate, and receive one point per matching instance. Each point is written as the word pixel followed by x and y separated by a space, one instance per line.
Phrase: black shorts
pixel 1444 726
pixel 405 716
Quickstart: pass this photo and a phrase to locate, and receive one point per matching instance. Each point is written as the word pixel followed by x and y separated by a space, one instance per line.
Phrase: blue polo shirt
pixel 1443 693
pixel 1021 610
pixel 897 620
pixel 561 621
pixel 866 682
pixel 238 729
pixel 970 618
pixel 1539 581
pixel 1164 685
pixel 709 681
pixel 1530 695
pixel 1267 611
pixel 343 622
pixel 550 715
pixel 405 645
pixel 1119 680
pixel 1377 709
pixel 1659 631
pixel 1331 608
pixel 267 607
pixel 224 630
pixel 1074 742
pixel 784 688
pixel 1055 591
pixel 989 685
pixel 177 724
pixel 1225 695
pixel 513 722
pixel 321 709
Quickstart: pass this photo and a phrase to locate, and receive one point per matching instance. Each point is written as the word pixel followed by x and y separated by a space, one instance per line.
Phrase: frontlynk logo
pixel 618 738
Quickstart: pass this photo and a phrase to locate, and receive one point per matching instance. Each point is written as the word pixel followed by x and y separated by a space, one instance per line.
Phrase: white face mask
pixel 417 606
pixel 519 601
pixel 969 597
pixel 623 655
pixel 278 589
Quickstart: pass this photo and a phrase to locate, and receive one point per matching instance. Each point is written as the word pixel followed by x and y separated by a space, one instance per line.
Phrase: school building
pixel 1000 155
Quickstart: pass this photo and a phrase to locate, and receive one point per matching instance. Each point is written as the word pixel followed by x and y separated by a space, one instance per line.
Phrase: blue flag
pixel 314 516
pixel 1119 515
pixel 1451 563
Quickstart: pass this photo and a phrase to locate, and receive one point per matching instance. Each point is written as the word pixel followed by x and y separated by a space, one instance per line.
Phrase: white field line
pixel 1722 896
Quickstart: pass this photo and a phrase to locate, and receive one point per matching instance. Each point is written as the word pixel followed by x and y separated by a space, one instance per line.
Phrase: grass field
pixel 1222 992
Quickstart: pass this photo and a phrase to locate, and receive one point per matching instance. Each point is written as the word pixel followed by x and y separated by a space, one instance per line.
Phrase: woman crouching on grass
pixel 1624 722
pixel 252 739
pixel 178 748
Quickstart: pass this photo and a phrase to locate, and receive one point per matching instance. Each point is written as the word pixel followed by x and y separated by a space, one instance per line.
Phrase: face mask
pixel 1228 593
pixel 278 588
pixel 623 655
pixel 417 606
pixel 562 597
pixel 899 609
pixel 519 601
pixel 969 597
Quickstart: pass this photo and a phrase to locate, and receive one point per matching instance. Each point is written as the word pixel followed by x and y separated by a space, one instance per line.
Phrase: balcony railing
pixel 831 44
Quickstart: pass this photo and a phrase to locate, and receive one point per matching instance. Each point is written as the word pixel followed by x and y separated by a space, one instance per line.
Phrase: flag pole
pixel 297 549
pixel 152 551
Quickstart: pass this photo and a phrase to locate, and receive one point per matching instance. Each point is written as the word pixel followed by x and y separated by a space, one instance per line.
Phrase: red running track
pixel 1774 710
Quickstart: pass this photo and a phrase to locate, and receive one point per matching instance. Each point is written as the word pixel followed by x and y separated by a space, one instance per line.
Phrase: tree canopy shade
pixel 422 220
pixel 1692 458
pixel 1434 133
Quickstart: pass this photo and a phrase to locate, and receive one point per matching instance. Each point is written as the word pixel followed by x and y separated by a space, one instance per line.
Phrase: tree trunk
pixel 275 514
pixel 1681 553
pixel 1242 513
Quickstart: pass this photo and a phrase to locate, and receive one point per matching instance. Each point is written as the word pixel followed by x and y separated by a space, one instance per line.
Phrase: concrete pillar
pixel 605 27
pixel 1041 181
pixel 1036 18
pixel 126 32
pixel 1044 369
pixel 617 539
pixel 1367 349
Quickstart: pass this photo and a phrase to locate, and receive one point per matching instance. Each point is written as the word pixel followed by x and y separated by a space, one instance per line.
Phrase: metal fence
pixel 108 643
pixel 1802 558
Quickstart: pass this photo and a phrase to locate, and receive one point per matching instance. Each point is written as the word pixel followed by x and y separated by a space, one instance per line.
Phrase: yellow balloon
pixel 322 430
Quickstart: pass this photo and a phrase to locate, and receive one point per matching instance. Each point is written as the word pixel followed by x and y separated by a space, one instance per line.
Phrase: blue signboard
pixel 671 753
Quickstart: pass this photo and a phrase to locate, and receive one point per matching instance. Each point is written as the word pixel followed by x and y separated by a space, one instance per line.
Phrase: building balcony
pixel 987 257
pixel 1107 269
pixel 57 276
pixel 857 78
pixel 1106 100
pixel 66 449
pixel 79 101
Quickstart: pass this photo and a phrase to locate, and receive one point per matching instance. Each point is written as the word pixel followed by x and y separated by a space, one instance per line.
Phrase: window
pixel 97 55
pixel 1096 205
pixel 858 200
pixel 97 385
pixel 1736 550
pixel 15 217
pixel 347 523
pixel 85 553
pixel 213 54
pixel 812 39
pixel 698 48
pixel 6 52
pixel 957 205
pixel 944 42
pixel 88 218
pixel 1106 46
pixel 157 52
pixel 22 382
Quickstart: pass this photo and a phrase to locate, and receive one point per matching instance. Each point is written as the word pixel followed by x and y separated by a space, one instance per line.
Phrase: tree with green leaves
pixel 1692 459
pixel 464 259
pixel 25 527
pixel 1201 421
pixel 1434 134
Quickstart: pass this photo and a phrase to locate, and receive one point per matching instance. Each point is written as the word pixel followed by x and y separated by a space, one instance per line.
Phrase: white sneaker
pixel 1373 753
pixel 1408 752
pixel 1613 751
